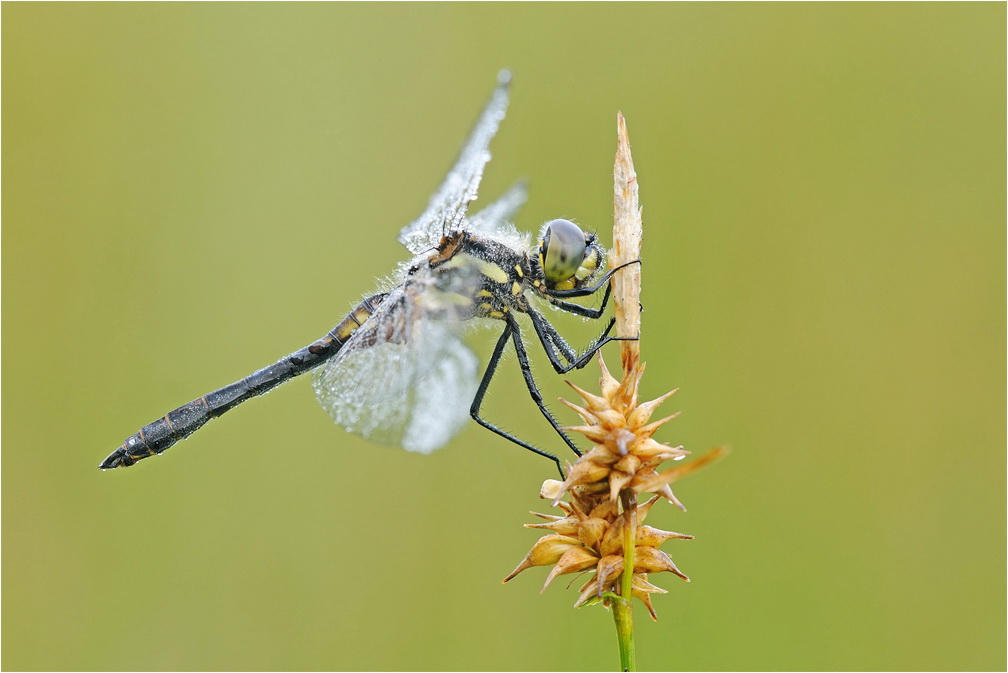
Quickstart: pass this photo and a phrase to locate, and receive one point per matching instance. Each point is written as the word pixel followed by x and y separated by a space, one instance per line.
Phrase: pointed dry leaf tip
pixel 593 432
pixel 651 560
pixel 627 234
pixel 640 583
pixel 654 537
pixel 656 481
pixel 626 394
pixel 548 517
pixel 546 551
pixel 666 492
pixel 645 598
pixel 566 526
pixel 588 592
pixel 574 560
pixel 643 412
pixel 642 590
pixel 645 507
pixel 586 416
pixel 594 402
pixel 649 451
pixel 651 428
pixel 607 383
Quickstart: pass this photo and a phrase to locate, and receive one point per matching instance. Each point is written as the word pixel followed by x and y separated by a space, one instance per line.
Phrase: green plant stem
pixel 623 617
pixel 623 607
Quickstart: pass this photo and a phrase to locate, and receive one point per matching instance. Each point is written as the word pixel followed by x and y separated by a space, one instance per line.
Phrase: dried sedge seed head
pixel 624 454
pixel 591 536
pixel 593 542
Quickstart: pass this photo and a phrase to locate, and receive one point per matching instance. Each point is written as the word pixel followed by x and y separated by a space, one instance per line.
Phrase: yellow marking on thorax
pixel 516 288
pixel 492 271
pixel 518 269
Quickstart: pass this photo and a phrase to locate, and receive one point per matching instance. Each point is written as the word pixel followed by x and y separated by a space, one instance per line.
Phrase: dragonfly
pixel 395 370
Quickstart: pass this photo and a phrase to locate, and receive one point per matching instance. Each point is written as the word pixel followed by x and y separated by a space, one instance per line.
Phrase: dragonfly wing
pixel 439 405
pixel 403 379
pixel 447 208
pixel 496 218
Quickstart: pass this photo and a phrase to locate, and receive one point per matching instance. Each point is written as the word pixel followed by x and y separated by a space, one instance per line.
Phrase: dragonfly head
pixel 569 258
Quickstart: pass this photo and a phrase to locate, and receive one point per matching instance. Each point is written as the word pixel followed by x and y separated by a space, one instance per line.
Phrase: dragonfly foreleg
pixel 552 341
pixel 583 311
pixel 592 289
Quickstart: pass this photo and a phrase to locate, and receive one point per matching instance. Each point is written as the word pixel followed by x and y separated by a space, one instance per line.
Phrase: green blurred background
pixel 191 191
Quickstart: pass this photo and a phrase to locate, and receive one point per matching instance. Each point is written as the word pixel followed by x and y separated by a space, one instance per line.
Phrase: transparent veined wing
pixel 447 207
pixel 404 378
pixel 497 217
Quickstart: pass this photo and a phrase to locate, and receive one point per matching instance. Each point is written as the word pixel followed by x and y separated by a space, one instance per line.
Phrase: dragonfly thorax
pixel 487 274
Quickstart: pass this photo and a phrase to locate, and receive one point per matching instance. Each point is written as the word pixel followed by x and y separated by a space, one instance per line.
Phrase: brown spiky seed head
pixel 624 454
pixel 593 543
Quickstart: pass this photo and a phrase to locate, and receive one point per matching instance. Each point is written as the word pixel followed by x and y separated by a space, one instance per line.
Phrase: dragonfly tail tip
pixel 118 458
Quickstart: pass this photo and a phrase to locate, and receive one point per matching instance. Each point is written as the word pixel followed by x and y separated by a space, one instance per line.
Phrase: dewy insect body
pixel 395 370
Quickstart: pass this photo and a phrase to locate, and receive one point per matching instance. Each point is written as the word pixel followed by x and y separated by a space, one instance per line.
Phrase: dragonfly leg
pixel 530 383
pixel 583 311
pixel 553 342
pixel 592 289
pixel 511 332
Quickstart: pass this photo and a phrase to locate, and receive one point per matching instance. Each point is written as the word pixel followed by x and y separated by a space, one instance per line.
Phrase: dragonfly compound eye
pixel 563 250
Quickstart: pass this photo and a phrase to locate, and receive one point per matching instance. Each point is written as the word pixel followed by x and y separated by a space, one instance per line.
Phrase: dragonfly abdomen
pixel 162 434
